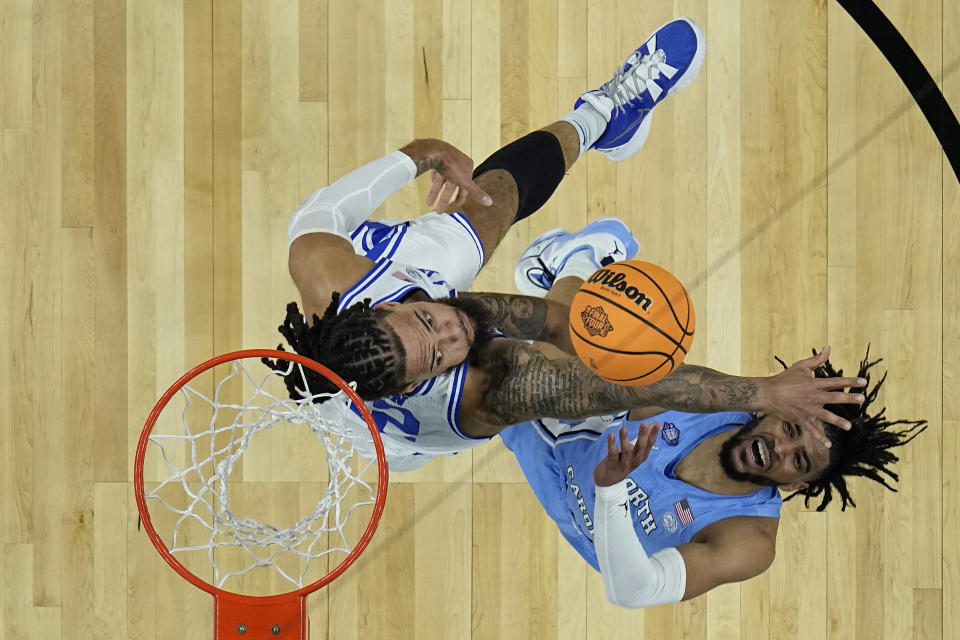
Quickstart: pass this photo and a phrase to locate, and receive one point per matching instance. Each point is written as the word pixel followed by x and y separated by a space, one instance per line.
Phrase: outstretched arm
pixel 523 384
pixel 515 382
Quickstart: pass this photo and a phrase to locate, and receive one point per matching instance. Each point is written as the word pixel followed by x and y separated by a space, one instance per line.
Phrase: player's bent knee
pixel 536 163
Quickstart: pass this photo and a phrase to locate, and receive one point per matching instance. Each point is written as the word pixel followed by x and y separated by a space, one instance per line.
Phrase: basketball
pixel 631 322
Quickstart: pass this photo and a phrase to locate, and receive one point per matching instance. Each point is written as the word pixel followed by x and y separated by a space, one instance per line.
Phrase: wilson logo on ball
pixel 618 282
pixel 596 321
pixel 653 332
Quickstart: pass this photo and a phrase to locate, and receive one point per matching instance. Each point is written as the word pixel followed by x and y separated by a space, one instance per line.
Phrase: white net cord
pixel 201 503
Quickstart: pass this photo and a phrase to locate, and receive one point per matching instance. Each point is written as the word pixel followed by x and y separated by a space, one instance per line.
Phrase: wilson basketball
pixel 632 322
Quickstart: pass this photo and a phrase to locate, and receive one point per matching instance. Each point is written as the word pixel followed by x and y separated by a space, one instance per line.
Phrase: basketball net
pixel 191 450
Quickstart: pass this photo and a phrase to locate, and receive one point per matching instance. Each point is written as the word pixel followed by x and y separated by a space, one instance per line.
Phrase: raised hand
pixel 451 174
pixel 621 461
pixel 798 397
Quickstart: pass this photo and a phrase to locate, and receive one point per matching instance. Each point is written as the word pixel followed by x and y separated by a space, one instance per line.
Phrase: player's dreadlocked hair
pixel 864 450
pixel 356 344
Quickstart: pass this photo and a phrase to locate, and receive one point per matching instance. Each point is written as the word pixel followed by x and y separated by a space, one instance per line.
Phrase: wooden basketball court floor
pixel 152 152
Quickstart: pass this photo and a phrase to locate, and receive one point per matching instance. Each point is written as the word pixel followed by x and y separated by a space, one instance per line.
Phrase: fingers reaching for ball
pixel 620 461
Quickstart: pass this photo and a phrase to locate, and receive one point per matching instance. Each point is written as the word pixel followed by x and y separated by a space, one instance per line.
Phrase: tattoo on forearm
pixel 739 393
pixel 428 163
pixel 517 316
pixel 527 385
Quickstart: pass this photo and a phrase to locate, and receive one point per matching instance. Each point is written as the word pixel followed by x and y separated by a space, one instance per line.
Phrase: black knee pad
pixel 536 163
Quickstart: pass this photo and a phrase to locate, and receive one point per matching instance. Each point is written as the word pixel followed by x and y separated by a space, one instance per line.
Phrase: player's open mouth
pixel 756 453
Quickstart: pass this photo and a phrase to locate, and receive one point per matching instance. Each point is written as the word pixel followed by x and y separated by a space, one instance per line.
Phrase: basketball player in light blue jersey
pixel 668 509
pixel 436 380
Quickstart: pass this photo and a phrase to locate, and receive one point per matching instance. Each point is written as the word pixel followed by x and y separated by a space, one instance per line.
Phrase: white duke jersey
pixel 434 253
pixel 390 281
pixel 418 426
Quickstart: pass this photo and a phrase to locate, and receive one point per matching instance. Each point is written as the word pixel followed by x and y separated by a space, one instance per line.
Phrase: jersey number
pixel 390 418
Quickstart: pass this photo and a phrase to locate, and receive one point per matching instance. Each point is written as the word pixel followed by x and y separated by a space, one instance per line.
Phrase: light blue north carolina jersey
pixel 559 457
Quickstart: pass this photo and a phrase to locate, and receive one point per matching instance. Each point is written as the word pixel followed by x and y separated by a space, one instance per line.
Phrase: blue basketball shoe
pixel 604 241
pixel 666 63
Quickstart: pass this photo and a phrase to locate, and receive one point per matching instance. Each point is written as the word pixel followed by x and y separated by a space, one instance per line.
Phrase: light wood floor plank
pixel 198 122
pixel 950 496
pixel 28 276
pixel 121 592
pixel 718 313
pixel 110 240
pixel 313 29
pixel 77 113
pixel 76 529
pixel 17 65
pixel 951 529
pixel 927 614
pixel 442 559
pixel 227 136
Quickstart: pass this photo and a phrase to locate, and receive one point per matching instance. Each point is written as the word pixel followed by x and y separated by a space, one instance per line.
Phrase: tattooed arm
pixel 520 384
pixel 513 382
pixel 527 318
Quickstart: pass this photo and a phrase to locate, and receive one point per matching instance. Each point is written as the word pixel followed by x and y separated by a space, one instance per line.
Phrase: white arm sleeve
pixel 631 578
pixel 344 205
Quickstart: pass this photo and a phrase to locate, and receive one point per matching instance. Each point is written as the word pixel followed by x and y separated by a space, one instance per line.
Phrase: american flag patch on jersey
pixel 683 511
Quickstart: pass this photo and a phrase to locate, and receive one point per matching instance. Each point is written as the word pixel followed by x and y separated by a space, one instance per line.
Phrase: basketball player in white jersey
pixel 510 381
pixel 402 267
pixel 408 355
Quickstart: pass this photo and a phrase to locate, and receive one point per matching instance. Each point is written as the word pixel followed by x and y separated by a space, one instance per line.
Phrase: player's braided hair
pixel 864 450
pixel 356 344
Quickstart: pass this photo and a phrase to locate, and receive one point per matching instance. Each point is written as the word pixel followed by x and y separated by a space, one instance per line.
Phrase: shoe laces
pixel 627 84
pixel 542 278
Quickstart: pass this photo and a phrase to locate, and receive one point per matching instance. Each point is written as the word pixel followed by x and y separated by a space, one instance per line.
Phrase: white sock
pixel 589 123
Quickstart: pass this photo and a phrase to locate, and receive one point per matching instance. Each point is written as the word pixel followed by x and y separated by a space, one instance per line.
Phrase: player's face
pixel 436 336
pixel 774 452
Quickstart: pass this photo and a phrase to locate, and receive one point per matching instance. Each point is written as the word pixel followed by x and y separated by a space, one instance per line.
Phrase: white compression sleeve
pixel 631 578
pixel 344 205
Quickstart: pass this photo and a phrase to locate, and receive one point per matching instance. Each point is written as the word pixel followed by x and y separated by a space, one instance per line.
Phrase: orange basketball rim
pixel 199 444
